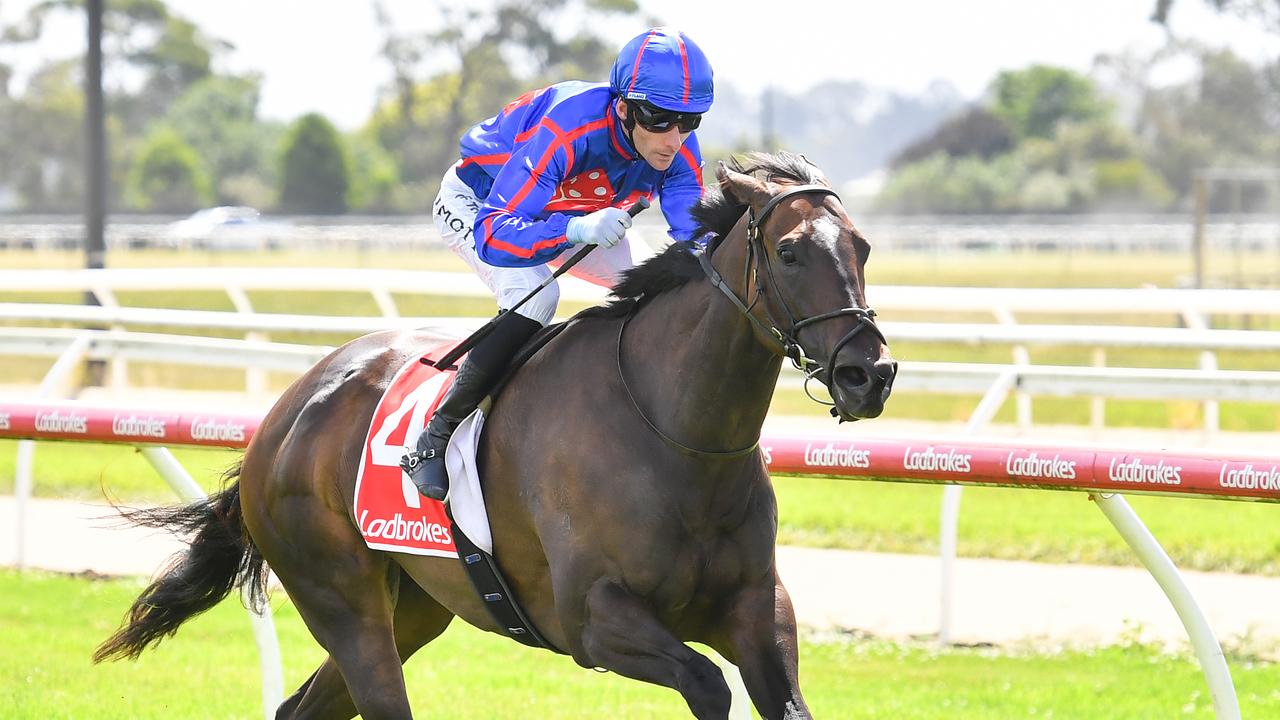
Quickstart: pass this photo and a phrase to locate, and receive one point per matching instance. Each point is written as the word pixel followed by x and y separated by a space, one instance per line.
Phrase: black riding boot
pixel 476 376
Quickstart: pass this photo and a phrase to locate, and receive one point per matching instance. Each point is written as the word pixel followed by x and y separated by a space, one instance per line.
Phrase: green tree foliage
pixel 1263 13
pixel 943 184
pixel 375 177
pixel 313 169
pixel 421 121
pixel 160 54
pixel 975 131
pixel 1226 116
pixel 42 141
pixel 167 175
pixel 1129 184
pixel 217 117
pixel 1033 101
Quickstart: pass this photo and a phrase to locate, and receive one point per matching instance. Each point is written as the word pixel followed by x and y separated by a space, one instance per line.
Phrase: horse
pixel 631 507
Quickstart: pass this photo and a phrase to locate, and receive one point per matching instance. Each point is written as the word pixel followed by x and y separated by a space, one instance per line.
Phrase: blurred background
pixel 1075 210
pixel 1094 126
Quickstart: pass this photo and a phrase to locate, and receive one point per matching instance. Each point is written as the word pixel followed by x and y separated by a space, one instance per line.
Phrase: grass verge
pixel 51 624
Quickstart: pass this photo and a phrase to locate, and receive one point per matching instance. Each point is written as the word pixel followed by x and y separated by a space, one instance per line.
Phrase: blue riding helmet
pixel 665 68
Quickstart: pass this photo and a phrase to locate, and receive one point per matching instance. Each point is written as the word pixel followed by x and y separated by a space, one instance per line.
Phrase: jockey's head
pixel 661 84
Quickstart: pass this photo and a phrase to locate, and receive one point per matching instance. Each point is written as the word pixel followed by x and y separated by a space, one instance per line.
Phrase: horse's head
pixel 808 261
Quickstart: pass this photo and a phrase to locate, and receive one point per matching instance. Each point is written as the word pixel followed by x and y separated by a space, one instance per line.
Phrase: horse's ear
pixel 743 188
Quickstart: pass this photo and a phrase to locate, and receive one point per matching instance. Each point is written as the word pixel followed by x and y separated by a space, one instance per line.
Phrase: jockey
pixel 557 168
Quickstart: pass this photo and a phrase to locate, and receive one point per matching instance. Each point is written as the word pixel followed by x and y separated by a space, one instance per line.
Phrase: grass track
pixel 51 624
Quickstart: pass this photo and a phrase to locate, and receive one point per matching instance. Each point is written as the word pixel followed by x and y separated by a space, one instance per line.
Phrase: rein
pixel 692 452
pixel 788 339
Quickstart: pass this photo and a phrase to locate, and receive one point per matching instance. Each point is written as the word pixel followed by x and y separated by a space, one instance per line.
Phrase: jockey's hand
pixel 604 227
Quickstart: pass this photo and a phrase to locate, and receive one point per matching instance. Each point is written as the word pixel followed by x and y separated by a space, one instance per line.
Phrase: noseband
pixel 786 338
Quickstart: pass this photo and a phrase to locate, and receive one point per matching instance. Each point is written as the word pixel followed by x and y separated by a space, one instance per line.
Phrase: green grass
pixel 1043 525
pixel 209 669
pixel 1017 524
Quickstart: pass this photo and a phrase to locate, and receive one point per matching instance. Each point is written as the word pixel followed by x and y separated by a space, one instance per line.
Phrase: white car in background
pixel 228 227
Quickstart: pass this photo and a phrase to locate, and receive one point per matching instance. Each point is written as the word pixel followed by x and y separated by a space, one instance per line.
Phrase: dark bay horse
pixel 631 507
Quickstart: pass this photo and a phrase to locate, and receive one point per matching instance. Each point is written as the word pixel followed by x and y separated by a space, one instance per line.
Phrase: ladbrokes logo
pixel 397 528
pixel 57 422
pixel 134 426
pixel 1247 478
pixel 831 456
pixel 1136 471
pixel 211 429
pixel 4 421
pixel 1034 466
pixel 933 461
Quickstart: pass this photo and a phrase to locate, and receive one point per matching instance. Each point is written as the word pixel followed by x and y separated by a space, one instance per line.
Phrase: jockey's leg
pixel 476 376
pixel 454 213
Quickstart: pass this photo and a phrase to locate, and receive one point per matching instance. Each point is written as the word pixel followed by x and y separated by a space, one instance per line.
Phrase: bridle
pixel 787 338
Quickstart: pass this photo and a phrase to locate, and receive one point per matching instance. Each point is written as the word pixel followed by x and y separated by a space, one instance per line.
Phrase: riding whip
pixel 446 362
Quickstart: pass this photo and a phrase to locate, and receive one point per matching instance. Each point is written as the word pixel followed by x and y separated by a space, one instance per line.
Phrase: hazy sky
pixel 330 61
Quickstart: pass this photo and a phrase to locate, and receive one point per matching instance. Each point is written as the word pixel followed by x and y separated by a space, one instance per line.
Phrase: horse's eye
pixel 787 254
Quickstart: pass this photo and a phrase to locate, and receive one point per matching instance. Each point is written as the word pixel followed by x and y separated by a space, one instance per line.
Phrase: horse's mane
pixel 715 215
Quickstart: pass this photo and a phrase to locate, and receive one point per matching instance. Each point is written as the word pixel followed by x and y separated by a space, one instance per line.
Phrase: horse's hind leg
pixel 417 621
pixel 621 634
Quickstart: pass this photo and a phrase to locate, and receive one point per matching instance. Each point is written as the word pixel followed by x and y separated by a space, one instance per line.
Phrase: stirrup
pixel 414 465
pixel 414 459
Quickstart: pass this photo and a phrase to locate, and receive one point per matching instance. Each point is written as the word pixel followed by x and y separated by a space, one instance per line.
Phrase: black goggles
pixel 657 120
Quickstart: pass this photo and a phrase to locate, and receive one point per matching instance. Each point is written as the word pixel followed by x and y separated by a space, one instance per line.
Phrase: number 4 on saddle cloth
pixel 393 516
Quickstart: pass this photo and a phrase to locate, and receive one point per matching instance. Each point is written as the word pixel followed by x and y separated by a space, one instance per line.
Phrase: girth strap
pixel 489 583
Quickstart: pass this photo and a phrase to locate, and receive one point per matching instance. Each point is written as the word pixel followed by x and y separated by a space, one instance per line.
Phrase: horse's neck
pixel 711 381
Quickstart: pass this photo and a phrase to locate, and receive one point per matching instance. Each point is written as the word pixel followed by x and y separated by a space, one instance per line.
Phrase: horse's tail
pixel 221 557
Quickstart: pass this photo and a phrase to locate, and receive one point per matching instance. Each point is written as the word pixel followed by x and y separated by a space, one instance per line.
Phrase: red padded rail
pixel 1225 474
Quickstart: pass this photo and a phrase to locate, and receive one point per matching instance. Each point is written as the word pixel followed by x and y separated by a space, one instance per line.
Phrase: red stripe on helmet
pixel 684 60
pixel 635 67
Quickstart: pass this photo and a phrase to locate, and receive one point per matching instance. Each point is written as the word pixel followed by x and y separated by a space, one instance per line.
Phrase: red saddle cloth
pixel 391 513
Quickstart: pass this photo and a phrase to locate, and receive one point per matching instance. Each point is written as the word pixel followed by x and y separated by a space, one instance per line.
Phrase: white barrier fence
pixel 967 378
pixel 381 284
pixel 924 460
pixel 1192 307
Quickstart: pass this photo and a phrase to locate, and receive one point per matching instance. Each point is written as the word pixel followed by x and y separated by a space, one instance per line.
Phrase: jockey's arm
pixel 507 231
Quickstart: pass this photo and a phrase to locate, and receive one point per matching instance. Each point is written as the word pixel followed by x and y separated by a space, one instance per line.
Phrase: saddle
pixel 390 513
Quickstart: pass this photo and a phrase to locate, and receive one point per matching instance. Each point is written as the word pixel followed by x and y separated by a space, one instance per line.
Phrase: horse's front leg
pixel 620 633
pixel 761 641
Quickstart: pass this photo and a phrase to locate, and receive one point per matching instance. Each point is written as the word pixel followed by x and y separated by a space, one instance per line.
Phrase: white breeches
pixel 455 211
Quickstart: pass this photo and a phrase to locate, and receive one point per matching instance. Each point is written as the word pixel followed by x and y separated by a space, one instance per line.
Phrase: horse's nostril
pixel 886 370
pixel 851 376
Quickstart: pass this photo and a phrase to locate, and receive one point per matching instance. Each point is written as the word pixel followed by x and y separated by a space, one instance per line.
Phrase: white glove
pixel 604 227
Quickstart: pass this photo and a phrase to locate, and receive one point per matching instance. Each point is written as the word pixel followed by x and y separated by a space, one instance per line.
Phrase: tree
pixel 1264 13
pixel 142 42
pixel 167 175
pixel 941 184
pixel 1033 101
pixel 217 117
pixel 314 168
pixel 46 166
pixel 430 108
pixel 974 131
pixel 375 178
